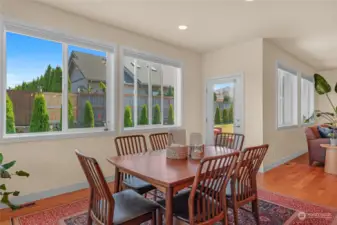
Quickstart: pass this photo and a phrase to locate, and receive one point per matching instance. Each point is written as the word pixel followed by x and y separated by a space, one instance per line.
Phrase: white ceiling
pixel 305 28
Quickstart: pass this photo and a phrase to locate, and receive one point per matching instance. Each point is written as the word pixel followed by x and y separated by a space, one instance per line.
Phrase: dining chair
pixel 158 141
pixel 125 207
pixel 201 204
pixel 243 185
pixel 230 140
pixel 130 145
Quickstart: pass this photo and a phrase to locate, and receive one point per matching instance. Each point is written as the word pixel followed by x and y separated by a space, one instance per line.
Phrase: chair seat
pixel 129 205
pixel 138 185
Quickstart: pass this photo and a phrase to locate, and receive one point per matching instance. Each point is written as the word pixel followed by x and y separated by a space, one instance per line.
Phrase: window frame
pixel 65 40
pixel 279 66
pixel 311 79
pixel 178 101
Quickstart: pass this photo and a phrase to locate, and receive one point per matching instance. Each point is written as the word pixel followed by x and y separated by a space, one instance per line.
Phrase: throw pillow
pixel 324 131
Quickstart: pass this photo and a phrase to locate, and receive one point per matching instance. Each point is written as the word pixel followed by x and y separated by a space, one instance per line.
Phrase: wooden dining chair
pixel 243 185
pixel 130 145
pixel 202 204
pixel 230 140
pixel 125 207
pixel 158 141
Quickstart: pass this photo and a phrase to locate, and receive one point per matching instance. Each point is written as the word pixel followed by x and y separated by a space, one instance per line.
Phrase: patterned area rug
pixel 274 210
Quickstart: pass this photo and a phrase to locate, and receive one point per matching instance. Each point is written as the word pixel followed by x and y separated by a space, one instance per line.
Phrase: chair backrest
pixel 230 140
pixel 129 145
pixel 207 199
pixel 158 141
pixel 101 206
pixel 248 165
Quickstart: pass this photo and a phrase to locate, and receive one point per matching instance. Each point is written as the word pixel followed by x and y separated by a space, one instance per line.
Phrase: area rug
pixel 275 209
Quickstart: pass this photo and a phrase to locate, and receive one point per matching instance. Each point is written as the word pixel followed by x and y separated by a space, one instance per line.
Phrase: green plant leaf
pixel 5 174
pixel 16 193
pixel 22 173
pixel 3 187
pixel 1 158
pixel 321 85
pixel 9 165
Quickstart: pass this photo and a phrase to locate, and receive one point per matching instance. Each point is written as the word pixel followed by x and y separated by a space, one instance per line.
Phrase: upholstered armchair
pixel 314 140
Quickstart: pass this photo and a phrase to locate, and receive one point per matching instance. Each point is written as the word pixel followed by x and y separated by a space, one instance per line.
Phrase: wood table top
pixel 328 146
pixel 155 167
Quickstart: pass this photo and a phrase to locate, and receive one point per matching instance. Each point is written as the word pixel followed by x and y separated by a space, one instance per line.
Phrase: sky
pixel 221 86
pixel 28 57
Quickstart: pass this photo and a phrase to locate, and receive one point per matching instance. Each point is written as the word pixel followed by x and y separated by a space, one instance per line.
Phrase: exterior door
pixel 224 106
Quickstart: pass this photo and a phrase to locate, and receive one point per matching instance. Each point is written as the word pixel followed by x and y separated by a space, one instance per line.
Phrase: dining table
pixel 167 175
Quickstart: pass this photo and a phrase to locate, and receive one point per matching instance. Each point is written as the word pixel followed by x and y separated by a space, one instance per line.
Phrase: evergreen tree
pixel 170 91
pixel 47 79
pixel 56 85
pixel 214 97
pixel 230 114
pixel 170 115
pixel 102 86
pixel 156 115
pixel 226 99
pixel 127 117
pixel 143 116
pixel 89 118
pixel 40 118
pixel 10 118
pixel 70 116
pixel 217 117
pixel 225 116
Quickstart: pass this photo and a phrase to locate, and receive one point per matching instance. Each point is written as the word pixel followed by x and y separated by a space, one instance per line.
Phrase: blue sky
pixel 28 57
pixel 220 86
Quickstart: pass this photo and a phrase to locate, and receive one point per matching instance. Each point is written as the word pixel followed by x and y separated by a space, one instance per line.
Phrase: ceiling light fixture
pixel 249 0
pixel 182 27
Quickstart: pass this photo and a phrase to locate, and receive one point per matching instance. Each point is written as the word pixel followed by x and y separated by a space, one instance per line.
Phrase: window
pixel 307 100
pixel 41 98
pixel 150 92
pixel 287 97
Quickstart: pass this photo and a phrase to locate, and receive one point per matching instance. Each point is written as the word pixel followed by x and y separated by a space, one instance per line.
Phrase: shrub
pixel 40 118
pixel 127 117
pixel 171 115
pixel 217 116
pixel 156 115
pixel 144 120
pixel 10 118
pixel 89 118
pixel 230 114
pixel 70 116
pixel 225 116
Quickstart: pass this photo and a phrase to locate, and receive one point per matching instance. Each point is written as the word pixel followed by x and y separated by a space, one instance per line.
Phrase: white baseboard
pixel 282 161
pixel 50 193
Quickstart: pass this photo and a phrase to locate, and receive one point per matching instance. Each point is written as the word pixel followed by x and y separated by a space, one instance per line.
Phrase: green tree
pixel 40 118
pixel 143 116
pixel 10 118
pixel 214 96
pixel 230 114
pixel 56 85
pixel 170 115
pixel 217 116
pixel 89 118
pixel 156 115
pixel 70 115
pixel 170 91
pixel 225 116
pixel 226 99
pixel 102 86
pixel 127 117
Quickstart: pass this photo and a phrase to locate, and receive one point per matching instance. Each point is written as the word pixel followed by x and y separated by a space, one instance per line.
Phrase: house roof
pixel 93 68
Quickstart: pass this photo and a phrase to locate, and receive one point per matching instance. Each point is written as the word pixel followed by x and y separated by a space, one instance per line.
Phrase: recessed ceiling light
pixel 182 27
pixel 249 0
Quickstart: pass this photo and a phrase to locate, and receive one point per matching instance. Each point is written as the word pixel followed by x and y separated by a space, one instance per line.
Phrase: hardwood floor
pixel 295 179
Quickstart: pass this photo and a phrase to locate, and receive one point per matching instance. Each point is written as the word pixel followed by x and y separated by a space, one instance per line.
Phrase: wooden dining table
pixel 167 175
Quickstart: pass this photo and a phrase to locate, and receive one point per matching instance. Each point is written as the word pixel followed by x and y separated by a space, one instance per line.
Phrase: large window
pixel 287 97
pixel 150 92
pixel 42 98
pixel 307 100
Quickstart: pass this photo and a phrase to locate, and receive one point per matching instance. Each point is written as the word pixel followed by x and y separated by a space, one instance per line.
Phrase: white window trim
pixel 178 105
pixel 65 40
pixel 309 78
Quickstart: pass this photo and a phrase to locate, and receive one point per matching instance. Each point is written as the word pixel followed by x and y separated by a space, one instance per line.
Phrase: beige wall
pixel 243 58
pixel 284 143
pixel 52 163
pixel 322 102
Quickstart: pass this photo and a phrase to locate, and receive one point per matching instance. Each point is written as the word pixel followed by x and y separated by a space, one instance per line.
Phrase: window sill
pixel 287 127
pixel 149 129
pixel 30 137
pixel 307 124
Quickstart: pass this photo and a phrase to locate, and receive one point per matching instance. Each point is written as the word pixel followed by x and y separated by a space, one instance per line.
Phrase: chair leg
pixel 89 220
pixel 154 216
pixel 255 209
pixel 160 217
pixel 155 195
pixel 236 214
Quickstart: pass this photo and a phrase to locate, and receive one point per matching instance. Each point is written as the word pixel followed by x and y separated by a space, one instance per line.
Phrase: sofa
pixel 314 140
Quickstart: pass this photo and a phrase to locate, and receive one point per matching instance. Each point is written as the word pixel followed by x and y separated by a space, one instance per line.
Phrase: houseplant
pixel 322 87
pixel 5 174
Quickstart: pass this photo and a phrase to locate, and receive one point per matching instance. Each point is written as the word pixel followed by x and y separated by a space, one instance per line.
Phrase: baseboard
pixel 50 193
pixel 282 161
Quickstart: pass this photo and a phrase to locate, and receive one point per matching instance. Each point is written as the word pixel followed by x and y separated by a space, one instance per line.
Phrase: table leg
pixel 169 207
pixel 117 180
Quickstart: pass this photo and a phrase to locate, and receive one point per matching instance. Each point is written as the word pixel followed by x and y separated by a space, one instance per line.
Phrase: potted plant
pixel 322 87
pixel 5 174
